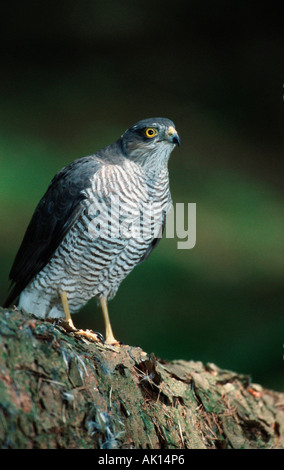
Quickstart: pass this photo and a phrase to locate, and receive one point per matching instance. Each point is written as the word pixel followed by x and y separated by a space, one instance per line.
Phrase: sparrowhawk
pixel 101 216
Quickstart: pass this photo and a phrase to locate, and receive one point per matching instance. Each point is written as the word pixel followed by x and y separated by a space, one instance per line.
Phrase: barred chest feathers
pixel 131 199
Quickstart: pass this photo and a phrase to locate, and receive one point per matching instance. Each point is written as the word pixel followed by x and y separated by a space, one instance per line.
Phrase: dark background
pixel 75 75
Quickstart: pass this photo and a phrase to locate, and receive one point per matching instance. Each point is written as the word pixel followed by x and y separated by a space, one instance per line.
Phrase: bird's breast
pixel 125 203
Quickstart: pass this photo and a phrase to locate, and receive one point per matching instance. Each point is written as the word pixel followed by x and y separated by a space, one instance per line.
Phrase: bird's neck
pixel 152 163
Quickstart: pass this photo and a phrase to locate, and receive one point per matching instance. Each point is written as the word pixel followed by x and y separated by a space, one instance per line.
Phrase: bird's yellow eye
pixel 150 132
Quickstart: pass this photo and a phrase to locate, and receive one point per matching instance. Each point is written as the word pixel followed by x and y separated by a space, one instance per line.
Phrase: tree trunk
pixel 58 390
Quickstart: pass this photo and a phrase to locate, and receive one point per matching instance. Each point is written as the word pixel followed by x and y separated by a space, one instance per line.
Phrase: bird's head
pixel 150 142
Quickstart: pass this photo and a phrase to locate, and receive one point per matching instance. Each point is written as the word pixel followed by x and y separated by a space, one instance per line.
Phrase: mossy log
pixel 58 390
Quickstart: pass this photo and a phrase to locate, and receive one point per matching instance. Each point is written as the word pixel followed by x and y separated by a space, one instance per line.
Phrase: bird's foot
pixel 68 326
pixel 111 341
pixel 98 337
pixel 90 335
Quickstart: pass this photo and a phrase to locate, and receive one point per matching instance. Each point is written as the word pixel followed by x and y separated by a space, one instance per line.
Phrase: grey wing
pixel 55 214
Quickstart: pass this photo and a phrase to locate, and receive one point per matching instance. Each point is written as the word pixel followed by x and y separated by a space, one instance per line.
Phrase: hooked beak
pixel 172 136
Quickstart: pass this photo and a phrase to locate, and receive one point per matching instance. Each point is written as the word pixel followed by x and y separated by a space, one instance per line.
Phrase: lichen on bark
pixel 58 390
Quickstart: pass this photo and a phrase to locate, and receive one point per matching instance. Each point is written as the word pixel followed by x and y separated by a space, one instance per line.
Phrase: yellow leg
pixel 110 339
pixel 65 305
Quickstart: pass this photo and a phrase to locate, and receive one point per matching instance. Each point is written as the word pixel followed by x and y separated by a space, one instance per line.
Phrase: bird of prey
pixel 92 226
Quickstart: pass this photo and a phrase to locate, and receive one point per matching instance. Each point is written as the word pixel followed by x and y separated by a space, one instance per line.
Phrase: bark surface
pixel 58 390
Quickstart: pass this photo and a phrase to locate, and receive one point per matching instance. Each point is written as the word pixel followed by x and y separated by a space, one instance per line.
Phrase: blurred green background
pixel 75 75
